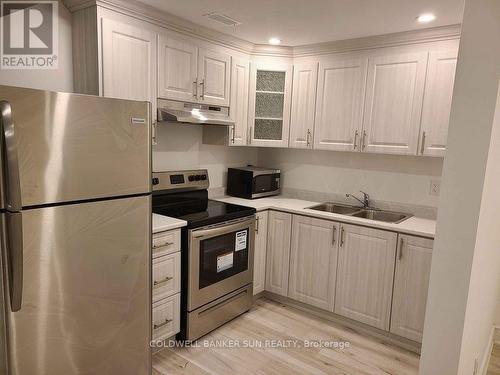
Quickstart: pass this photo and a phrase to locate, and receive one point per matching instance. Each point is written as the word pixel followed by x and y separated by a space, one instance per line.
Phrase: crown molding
pixel 433 34
pixel 163 19
pixel 166 20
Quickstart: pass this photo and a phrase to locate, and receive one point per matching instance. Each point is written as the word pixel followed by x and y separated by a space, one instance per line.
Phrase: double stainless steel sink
pixel 365 213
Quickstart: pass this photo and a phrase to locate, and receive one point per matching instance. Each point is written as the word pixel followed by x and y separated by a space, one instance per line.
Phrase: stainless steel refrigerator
pixel 76 234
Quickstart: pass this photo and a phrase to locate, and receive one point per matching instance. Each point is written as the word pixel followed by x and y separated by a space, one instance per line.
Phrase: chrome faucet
pixel 366 199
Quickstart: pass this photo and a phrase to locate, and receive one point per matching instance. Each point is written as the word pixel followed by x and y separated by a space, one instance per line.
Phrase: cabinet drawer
pixel 166 242
pixel 166 276
pixel 166 317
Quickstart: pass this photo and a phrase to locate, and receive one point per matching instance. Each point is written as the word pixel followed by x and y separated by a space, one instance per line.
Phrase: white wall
pixel 60 79
pixel 402 179
pixel 484 286
pixel 180 147
pixel 464 277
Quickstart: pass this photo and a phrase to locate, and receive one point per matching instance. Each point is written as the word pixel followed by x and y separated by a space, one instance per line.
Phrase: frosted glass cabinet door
pixel 269 105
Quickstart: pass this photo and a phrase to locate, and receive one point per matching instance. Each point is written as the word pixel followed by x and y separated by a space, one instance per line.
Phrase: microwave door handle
pixel 11 164
pixel 13 244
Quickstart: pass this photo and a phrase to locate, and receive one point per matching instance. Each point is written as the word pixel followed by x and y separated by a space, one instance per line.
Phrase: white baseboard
pixel 494 339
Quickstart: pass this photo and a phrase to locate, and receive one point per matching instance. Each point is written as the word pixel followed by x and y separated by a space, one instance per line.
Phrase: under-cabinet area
pixel 371 276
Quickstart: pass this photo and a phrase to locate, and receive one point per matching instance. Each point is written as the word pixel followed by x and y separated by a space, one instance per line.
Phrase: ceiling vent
pixel 222 18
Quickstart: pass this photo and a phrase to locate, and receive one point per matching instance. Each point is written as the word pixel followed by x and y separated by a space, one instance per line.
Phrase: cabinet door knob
pixel 164 323
pixel 422 146
pixel 355 143
pixel 195 92
pixel 401 243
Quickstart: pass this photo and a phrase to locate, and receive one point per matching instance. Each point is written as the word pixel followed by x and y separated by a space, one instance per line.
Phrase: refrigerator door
pixel 71 147
pixel 85 290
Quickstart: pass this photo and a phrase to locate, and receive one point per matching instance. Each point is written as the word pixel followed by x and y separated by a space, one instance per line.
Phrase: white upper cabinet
pixel 411 284
pixel 393 104
pixel 128 61
pixel 238 108
pixel 177 68
pixel 305 77
pixel 269 104
pixel 365 274
pixel 189 73
pixel 339 111
pixel 437 102
pixel 313 261
pixel 214 72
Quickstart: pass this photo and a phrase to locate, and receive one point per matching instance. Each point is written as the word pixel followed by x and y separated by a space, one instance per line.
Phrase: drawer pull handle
pixel 163 245
pixel 156 326
pixel 166 279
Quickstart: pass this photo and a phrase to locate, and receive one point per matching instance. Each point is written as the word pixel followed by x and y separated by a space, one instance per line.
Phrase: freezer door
pixel 85 290
pixel 71 147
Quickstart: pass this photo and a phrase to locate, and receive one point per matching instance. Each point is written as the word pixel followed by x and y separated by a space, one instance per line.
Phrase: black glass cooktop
pixel 197 209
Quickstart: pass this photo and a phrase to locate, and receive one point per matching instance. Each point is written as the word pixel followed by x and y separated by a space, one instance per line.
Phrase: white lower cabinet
pixel 365 274
pixel 411 282
pixel 259 259
pixel 278 252
pixel 166 284
pixel 166 317
pixel 313 261
pixel 372 276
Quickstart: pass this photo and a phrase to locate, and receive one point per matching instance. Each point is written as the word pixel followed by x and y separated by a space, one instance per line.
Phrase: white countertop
pixel 414 225
pixel 162 223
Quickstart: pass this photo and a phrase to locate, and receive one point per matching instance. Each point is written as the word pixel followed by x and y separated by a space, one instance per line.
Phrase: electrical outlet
pixel 435 187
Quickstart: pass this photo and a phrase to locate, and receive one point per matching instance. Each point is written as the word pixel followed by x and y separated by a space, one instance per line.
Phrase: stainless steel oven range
pixel 217 251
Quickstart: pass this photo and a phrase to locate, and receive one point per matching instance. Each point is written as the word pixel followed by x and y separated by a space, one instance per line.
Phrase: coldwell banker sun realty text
pixel 30 33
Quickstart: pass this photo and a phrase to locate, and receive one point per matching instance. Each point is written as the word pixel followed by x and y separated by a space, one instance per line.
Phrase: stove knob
pixel 197 177
pixel 203 177
pixel 156 181
pixel 191 178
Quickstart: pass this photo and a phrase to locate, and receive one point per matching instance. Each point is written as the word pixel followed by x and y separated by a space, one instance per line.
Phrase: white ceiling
pixel 298 22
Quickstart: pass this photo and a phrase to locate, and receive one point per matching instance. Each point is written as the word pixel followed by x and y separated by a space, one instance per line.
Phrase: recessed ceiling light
pixel 274 41
pixel 425 18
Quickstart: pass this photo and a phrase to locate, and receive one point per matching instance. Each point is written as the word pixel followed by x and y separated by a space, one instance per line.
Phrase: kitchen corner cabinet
pixel 305 77
pixel 278 252
pixel 393 103
pixel 269 104
pixel 437 102
pixel 259 259
pixel 313 261
pixel 339 110
pixel 238 109
pixel 187 72
pixel 411 282
pixel 365 275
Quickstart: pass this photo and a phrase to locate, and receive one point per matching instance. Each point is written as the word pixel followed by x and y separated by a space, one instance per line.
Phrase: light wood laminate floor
pixel 269 320
pixel 494 367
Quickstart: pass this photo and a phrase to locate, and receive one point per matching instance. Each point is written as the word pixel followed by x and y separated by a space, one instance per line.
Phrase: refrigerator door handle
pixel 13 182
pixel 14 247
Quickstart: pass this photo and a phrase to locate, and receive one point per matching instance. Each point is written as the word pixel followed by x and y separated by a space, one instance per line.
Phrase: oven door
pixel 220 260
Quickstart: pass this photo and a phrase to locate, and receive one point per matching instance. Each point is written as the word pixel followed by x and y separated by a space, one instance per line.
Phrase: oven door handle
pixel 224 228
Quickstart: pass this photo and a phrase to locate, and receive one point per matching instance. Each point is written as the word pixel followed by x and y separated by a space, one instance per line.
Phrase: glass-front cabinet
pixel 269 104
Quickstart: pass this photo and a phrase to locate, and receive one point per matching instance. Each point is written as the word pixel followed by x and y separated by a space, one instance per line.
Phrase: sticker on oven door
pixel 241 240
pixel 224 261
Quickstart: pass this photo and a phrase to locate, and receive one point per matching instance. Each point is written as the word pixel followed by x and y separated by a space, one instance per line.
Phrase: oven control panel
pixel 181 180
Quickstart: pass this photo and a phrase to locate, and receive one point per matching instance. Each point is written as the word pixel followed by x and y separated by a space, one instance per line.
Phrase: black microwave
pixel 253 182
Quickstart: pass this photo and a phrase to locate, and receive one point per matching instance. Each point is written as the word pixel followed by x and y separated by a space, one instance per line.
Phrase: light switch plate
pixel 435 187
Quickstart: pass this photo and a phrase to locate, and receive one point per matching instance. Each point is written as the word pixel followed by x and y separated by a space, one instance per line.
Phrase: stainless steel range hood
pixel 190 113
